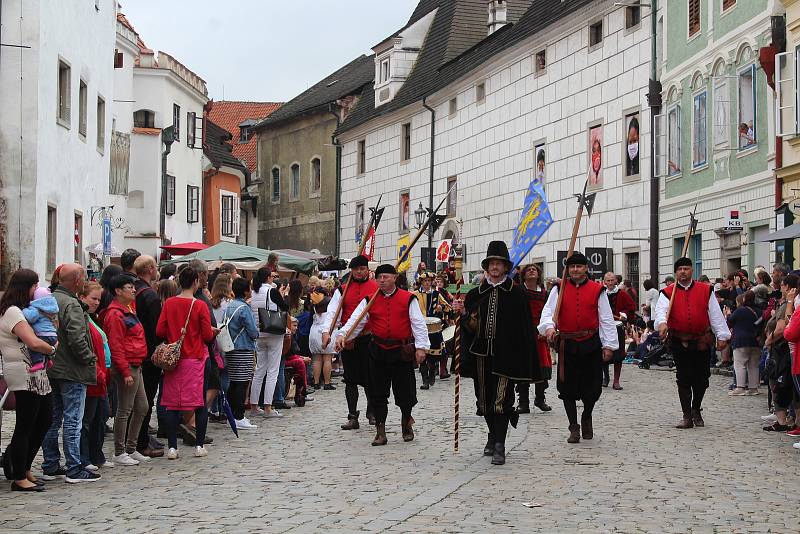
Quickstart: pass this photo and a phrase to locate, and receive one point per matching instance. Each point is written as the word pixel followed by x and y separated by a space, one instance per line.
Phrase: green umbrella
pixel 246 258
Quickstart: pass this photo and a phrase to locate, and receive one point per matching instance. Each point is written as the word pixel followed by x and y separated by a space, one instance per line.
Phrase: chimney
pixel 498 15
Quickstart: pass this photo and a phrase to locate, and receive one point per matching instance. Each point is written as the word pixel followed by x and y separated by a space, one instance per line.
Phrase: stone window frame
pixel 312 191
pixel 599 44
pixel 699 88
pixel 275 193
pixel 480 92
pixel 294 196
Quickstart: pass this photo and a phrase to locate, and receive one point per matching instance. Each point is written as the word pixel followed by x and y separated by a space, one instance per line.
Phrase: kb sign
pixel 601 261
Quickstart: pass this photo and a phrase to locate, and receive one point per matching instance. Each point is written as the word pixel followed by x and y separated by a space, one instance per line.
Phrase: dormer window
pixel 244 134
pixel 384 73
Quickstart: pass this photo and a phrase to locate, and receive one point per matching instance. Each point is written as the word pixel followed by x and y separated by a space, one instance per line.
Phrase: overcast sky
pixel 265 50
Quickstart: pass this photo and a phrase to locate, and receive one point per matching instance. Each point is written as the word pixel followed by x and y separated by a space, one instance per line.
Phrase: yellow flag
pixel 402 246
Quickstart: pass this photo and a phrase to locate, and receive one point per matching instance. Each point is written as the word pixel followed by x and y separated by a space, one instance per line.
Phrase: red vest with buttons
pixel 689 312
pixel 579 308
pixel 388 317
pixel 355 295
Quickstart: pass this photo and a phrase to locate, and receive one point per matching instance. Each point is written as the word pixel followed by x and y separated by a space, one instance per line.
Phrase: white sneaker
pixel 273 413
pixel 124 459
pixel 199 452
pixel 139 457
pixel 91 467
pixel 771 418
pixel 796 445
pixel 245 424
pixel 107 464
pixel 172 454
pixel 257 411
pixel 751 392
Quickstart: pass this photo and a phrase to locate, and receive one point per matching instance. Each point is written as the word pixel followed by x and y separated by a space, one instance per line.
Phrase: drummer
pixel 433 306
pixel 441 284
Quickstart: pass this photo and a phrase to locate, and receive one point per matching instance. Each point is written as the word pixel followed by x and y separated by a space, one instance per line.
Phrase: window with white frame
pixel 786 93
pixel 746 129
pixel 192 203
pixel 191 126
pixel 176 121
pixel 384 70
pixel 64 93
pixel 722 107
pixel 674 140
pixel 316 176
pixel 170 206
pixel 229 213
pixel 699 130
pixel 295 191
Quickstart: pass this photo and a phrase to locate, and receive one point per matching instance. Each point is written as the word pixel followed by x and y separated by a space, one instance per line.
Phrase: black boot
pixel 605 375
pixel 488 449
pixel 499 454
pixel 380 435
pixel 587 432
pixel 423 371
pixel 541 404
pixel 352 422
pixel 431 375
pixel 523 404
pixel 574 434
pixel 685 396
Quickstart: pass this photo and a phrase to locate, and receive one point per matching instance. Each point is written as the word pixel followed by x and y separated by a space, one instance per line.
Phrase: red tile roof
pixel 229 114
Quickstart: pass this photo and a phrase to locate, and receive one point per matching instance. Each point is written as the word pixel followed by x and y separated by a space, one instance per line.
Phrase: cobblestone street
pixel 302 474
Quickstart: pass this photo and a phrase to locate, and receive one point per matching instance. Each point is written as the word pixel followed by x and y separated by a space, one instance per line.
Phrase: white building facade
pixel 154 93
pixel 57 88
pixel 578 83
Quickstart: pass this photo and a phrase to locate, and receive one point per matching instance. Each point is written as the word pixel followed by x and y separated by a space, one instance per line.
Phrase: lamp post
pixel 419 215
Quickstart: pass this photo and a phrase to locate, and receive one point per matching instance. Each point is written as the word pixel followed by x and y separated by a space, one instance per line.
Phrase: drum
pixel 449 333
pixel 434 324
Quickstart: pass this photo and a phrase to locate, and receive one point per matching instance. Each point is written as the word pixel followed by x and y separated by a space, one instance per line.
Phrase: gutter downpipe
pixel 654 100
pixel 338 212
pixel 433 146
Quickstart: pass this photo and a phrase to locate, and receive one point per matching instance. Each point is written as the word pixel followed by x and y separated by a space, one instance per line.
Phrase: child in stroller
pixel 651 350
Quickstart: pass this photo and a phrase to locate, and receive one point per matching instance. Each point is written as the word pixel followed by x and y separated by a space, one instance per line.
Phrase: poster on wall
pixel 359 222
pixel 404 213
pixel 539 158
pixel 596 155
pixel 632 144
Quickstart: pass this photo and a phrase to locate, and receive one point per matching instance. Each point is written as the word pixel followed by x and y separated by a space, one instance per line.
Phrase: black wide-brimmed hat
pixel 497 250
pixel 577 258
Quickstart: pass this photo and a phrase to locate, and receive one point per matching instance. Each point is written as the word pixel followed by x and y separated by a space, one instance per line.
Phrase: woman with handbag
pixel 31 389
pixel 243 332
pixel 270 312
pixel 188 323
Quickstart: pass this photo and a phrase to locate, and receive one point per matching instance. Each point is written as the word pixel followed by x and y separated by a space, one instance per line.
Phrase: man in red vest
pixel 355 356
pixel 399 337
pixel 499 346
pixel 693 322
pixel 586 338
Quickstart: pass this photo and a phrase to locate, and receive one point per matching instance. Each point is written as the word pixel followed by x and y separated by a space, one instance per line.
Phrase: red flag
pixel 369 246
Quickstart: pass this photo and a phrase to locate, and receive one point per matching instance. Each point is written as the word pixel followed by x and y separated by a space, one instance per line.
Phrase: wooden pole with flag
pixel 374 220
pixel 584 202
pixel 400 260
pixel 689 232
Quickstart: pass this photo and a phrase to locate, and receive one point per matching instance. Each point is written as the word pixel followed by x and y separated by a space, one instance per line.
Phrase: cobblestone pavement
pixel 302 474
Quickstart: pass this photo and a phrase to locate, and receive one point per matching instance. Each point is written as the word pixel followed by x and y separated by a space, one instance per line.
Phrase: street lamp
pixel 419 215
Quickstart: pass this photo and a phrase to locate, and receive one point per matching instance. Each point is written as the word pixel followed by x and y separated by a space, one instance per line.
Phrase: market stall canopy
pixel 246 258
pixel 300 254
pixel 181 249
pixel 790 232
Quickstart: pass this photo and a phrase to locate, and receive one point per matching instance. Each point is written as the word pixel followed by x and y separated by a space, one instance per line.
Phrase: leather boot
pixel 380 435
pixel 697 417
pixel 587 432
pixel 499 454
pixel 431 375
pixel 488 449
pixel 352 422
pixel 574 434
pixel 408 432
pixel 423 371
pixel 542 404
pixel 685 422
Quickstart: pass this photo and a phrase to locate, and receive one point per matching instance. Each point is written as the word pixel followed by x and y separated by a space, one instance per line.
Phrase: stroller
pixel 654 352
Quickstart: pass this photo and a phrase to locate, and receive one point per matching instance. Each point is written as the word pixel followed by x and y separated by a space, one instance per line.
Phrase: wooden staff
pixel 457 359
pixel 689 233
pixel 399 262
pixel 582 203
pixel 361 247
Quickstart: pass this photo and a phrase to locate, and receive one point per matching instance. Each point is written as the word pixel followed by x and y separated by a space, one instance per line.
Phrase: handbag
pixel 167 355
pixel 224 341
pixel 272 321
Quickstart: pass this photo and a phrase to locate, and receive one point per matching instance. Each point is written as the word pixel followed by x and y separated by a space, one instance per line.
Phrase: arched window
pixel 316 176
pixel 747 125
pixel 276 185
pixel 699 121
pixel 722 105
pixel 295 181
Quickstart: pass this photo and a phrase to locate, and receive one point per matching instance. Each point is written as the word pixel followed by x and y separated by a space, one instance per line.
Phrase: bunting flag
pixel 403 254
pixel 534 221
pixel 369 247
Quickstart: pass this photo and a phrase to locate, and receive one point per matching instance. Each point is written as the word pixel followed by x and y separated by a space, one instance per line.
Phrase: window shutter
pixel 660 145
pixel 785 94
pixel 235 215
pixel 694 16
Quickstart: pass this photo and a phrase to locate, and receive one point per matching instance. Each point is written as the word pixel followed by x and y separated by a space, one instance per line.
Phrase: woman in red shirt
pixel 533 285
pixel 182 388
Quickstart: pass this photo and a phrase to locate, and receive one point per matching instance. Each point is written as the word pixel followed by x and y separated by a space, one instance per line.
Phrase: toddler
pixel 42 314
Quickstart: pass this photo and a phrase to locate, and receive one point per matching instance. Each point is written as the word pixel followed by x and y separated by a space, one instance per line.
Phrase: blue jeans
pixel 69 401
pixel 280 386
